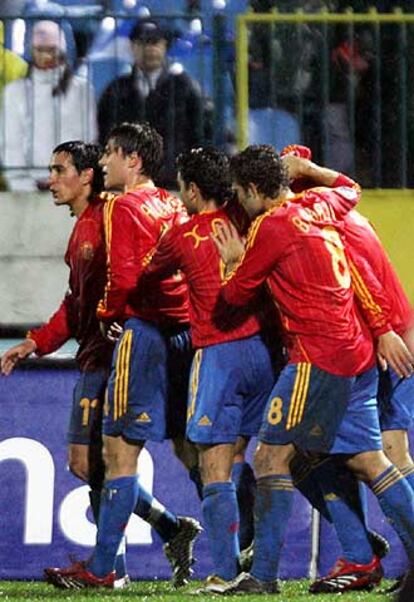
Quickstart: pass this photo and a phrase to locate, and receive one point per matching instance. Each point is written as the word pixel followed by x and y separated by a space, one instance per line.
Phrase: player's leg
pixel 300 411
pixel 393 492
pixel 359 567
pixel 244 480
pixel 180 357
pixel 220 509
pixel 396 411
pixel 229 388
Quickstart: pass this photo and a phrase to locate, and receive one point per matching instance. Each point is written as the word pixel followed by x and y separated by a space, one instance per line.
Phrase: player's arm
pixel 376 311
pixel 123 268
pixel 247 268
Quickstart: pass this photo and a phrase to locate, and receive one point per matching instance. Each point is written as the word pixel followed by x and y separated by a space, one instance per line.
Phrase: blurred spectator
pixel 12 66
pixel 164 95
pixel 47 107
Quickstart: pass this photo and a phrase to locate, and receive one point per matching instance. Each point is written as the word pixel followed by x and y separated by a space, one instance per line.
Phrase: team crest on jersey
pixel 86 250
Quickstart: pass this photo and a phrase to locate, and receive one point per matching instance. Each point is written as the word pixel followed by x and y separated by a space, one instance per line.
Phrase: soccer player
pixel 76 181
pixel 357 570
pixel 155 332
pixel 324 399
pixel 232 373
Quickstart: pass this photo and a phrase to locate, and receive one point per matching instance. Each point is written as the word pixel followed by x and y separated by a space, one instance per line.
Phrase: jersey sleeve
pixel 342 197
pixel 56 331
pixel 123 269
pixel 371 296
pixel 262 251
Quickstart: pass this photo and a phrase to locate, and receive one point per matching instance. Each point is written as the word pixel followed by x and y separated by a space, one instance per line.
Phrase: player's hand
pixel 394 352
pixel 229 243
pixel 10 358
pixel 114 332
pixel 297 166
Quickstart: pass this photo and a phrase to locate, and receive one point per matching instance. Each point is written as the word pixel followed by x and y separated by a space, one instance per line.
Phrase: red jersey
pixel 76 316
pixel 363 241
pixel 134 224
pixel 297 249
pixel 190 248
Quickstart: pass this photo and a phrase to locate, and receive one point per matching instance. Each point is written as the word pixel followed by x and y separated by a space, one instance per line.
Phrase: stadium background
pixel 42 507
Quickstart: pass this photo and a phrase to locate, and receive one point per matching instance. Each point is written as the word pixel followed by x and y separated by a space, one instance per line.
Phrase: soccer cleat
pixel 380 545
pixel 179 550
pixel 346 576
pixel 122 582
pixel 77 576
pixel 247 584
pixel 246 559
pixel 212 585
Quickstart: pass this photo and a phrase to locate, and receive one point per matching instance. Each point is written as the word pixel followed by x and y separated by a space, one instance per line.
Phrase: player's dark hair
pixel 84 156
pixel 262 166
pixel 142 139
pixel 209 169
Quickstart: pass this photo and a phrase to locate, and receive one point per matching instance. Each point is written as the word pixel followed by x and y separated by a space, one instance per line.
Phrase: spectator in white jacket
pixel 49 106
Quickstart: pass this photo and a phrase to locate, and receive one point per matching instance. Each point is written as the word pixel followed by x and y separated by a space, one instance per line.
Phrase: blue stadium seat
pixel 273 126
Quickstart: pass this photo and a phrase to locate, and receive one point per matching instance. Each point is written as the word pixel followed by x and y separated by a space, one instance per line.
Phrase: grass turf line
pixel 161 591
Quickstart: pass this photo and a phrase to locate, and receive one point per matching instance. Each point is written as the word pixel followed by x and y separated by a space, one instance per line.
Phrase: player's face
pixel 186 195
pixel 114 166
pixel 249 200
pixel 65 183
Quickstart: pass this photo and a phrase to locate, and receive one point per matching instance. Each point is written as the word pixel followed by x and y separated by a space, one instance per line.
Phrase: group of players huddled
pixel 260 304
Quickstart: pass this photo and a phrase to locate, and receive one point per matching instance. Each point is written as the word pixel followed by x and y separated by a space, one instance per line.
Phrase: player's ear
pixel 87 175
pixel 135 161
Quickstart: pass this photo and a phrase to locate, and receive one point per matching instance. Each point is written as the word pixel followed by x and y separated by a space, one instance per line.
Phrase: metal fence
pixel 339 83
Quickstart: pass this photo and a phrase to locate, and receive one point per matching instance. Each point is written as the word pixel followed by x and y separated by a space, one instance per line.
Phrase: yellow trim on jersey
pixel 122 375
pixel 107 214
pixel 362 290
pixel 195 374
pixel 300 391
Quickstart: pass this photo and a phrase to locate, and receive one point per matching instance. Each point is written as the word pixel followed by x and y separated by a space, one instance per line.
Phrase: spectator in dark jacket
pixel 159 93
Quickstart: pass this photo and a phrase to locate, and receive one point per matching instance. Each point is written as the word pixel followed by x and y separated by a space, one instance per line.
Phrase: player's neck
pixel 78 206
pixel 136 181
pixel 206 206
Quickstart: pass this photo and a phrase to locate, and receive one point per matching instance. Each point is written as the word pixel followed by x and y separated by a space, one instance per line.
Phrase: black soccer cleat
pixel 179 550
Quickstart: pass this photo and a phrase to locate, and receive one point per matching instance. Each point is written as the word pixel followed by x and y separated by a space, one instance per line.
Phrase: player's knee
pixel 273 459
pixel 368 466
pixel 79 468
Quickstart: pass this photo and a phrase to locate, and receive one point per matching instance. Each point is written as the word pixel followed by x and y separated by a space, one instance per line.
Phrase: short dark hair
pixel 84 155
pixel 209 168
pixel 142 139
pixel 260 165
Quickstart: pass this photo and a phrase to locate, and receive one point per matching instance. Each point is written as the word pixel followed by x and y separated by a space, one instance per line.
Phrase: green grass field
pixel 153 591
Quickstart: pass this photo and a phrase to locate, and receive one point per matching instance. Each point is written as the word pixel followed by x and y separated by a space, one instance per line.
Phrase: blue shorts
pixel 137 387
pixel 85 426
pixel 229 386
pixel 395 401
pixel 359 430
pixel 305 408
